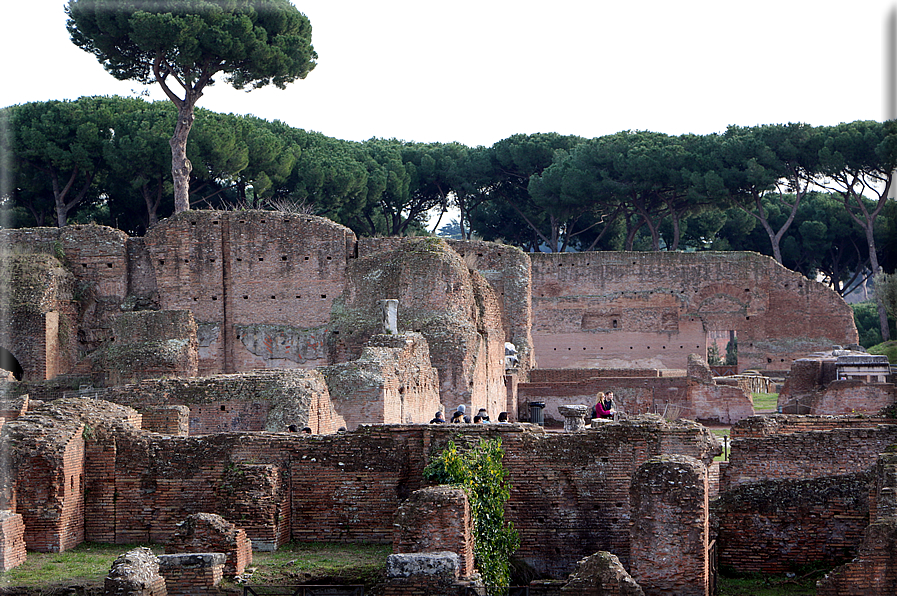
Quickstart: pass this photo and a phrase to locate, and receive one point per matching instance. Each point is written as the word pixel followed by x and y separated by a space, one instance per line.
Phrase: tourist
pixel 307 430
pixel 477 419
pixel 438 418
pixel 484 416
pixel 460 416
pixel 292 428
pixel 503 417
pixel 604 408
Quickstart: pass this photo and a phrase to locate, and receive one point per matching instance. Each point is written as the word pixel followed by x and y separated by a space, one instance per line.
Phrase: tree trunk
pixel 180 165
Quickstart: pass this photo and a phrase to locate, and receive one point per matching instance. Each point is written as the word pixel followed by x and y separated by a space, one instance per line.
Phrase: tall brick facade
pixel 652 309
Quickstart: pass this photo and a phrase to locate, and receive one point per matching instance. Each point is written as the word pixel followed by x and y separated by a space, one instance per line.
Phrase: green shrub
pixel 865 315
pixel 480 472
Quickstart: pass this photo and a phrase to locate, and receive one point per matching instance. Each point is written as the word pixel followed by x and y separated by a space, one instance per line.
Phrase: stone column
pixel 669 505
pixel 389 311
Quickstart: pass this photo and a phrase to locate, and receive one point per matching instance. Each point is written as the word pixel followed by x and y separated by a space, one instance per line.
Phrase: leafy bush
pixel 480 472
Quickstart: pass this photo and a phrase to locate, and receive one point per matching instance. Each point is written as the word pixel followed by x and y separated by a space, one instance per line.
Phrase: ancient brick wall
pixel 40 330
pixel 211 533
pixel 436 519
pixel 873 571
pixel 670 529
pixel 348 486
pixel 804 455
pixel 783 424
pixel 844 396
pixel 167 420
pixel 12 540
pixel 651 309
pixel 779 526
pixel 260 284
pixel 261 400
pixel 194 574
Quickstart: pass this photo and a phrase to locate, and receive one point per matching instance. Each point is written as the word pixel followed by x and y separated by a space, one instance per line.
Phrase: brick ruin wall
pixel 348 486
pixel 260 284
pixel 796 490
pixel 640 391
pixel 803 455
pixel 781 526
pixel 255 401
pixel 652 309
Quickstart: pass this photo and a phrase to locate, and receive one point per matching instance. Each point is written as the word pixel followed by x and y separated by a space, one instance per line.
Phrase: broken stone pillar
pixel 12 540
pixel 574 416
pixel 192 574
pixel 389 312
pixel 435 574
pixel 671 525
pixel 208 532
pixel 436 518
pixel 601 574
pixel 135 573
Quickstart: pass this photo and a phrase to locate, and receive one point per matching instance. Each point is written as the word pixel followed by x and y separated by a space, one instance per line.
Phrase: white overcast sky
pixel 479 71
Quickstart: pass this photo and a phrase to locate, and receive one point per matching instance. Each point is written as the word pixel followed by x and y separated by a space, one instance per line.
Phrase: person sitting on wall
pixel 460 416
pixel 503 417
pixel 477 419
pixel 484 417
pixel 307 430
pixel 604 408
pixel 292 428
pixel 438 418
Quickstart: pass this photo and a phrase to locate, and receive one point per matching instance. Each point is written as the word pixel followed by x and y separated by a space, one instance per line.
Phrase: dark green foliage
pixel 865 316
pixel 479 471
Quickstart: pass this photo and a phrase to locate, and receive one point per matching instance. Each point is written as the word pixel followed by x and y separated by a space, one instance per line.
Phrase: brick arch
pixel 8 361
pixel 721 299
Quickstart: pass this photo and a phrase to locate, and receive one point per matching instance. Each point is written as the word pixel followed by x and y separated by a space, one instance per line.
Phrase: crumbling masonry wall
pixel 843 449
pixel 652 309
pixel 348 486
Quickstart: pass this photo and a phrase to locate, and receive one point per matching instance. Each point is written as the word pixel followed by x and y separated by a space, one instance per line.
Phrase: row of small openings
pixel 239 260
pixel 108 265
pixel 769 360
pixel 246 297
pixel 572 264
pixel 649 347
pixel 243 221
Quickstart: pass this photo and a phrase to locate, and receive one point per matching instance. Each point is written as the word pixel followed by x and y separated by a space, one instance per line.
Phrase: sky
pixel 477 72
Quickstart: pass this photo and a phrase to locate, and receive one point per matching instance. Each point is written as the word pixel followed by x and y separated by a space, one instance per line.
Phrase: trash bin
pixel 535 412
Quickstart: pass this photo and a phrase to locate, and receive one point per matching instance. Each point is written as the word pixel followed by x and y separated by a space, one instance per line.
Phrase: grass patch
pixel 321 562
pixel 765 402
pixel 720 433
pixel 761 584
pixel 88 562
pixel 888 348
pixel 293 564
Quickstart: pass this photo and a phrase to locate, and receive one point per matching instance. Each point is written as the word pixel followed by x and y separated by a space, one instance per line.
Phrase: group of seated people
pixel 604 408
pixel 460 416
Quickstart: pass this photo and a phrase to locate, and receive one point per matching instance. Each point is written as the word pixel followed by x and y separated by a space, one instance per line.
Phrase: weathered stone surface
pixel 135 573
pixel 391 382
pixel 12 540
pixel 453 307
pixel 443 564
pixel 575 416
pixel 601 574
